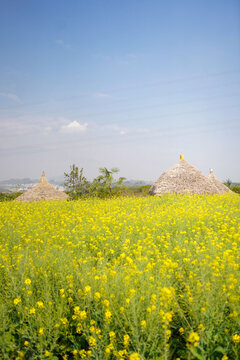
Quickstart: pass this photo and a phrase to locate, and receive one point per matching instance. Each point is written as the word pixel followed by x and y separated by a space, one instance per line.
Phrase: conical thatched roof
pixel 219 185
pixel 42 191
pixel 183 178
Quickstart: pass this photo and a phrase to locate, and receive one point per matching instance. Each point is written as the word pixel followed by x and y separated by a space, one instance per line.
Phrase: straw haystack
pixel 42 191
pixel 183 178
pixel 219 185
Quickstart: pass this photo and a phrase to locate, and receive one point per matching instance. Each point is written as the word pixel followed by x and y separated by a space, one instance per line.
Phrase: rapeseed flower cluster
pixel 125 278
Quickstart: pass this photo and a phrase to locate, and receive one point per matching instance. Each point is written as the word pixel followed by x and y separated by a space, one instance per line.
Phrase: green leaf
pixel 197 354
pixel 219 349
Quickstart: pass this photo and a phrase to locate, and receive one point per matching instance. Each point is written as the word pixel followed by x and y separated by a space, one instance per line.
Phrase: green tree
pixel 105 184
pixel 75 181
pixel 228 183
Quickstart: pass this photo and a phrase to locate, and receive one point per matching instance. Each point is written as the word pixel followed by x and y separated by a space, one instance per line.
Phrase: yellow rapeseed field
pixel 126 278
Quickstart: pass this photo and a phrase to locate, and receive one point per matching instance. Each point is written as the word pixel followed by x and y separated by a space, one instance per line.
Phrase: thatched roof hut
pixel 219 185
pixel 42 191
pixel 183 178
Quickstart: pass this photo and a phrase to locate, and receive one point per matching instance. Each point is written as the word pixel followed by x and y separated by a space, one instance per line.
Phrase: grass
pixel 127 278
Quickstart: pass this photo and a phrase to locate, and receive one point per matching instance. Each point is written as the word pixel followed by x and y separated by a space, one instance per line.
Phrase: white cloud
pixel 17 127
pixel 11 96
pixel 26 125
pixel 74 127
pixel 116 128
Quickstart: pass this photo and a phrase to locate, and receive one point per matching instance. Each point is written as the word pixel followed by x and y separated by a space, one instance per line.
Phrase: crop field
pixel 127 278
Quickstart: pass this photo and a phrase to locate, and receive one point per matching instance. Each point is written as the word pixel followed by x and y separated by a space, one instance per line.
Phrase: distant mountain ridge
pixel 18 181
pixel 59 181
pixel 136 182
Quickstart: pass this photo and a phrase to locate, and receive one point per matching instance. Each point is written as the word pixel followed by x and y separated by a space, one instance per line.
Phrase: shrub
pixel 9 196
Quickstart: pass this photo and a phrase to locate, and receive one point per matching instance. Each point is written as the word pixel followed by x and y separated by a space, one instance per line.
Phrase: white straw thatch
pixel 183 178
pixel 219 185
pixel 42 191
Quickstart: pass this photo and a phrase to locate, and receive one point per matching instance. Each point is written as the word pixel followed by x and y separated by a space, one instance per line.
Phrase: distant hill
pixel 18 181
pixel 136 182
pixel 25 181
pixel 60 181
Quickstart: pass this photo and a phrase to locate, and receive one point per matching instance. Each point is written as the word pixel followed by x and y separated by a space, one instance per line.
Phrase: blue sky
pixel 127 84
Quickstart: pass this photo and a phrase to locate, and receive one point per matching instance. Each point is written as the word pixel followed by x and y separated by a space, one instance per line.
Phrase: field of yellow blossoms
pixel 127 278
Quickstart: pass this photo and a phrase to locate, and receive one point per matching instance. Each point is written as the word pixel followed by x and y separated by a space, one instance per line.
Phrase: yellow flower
pixel 83 353
pixel 87 290
pixel 126 340
pixel 40 304
pixel 143 324
pixel 26 343
pixel 236 339
pixel 112 336
pixel 17 300
pixel 225 357
pixel 121 354
pixel 201 327
pixel 233 314
pixel 107 350
pixel 74 352
pixel 92 341
pixel 64 321
pixel 108 315
pixel 132 292
pixel 106 303
pixel 181 330
pixel 92 329
pixel 154 298
pixel 98 331
pixel 193 338
pixel 92 235
pixel 79 328
pixel 134 356
pixel 82 315
pixel 168 334
pixel 27 282
pixel 47 353
pixel 41 331
pixel 97 296
pixel 21 355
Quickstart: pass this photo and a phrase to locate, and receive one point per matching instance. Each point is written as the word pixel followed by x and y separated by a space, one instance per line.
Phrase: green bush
pixel 9 196
pixel 235 189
